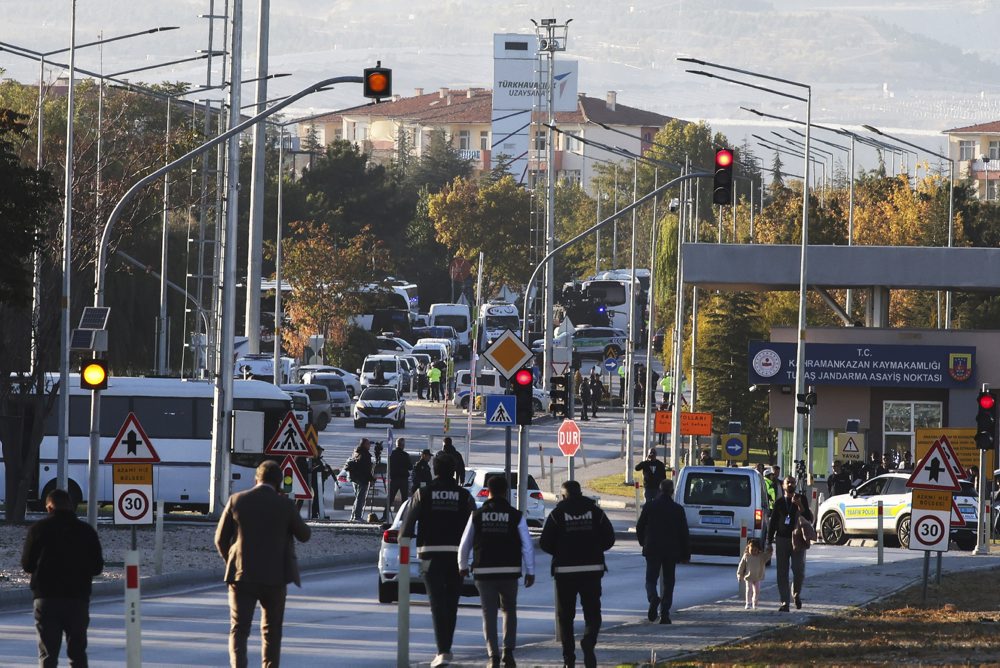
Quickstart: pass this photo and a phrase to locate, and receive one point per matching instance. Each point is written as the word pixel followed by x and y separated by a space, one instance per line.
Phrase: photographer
pixel 359 468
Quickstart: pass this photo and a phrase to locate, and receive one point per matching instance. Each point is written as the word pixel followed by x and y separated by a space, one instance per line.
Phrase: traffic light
pixel 94 375
pixel 722 184
pixel 378 82
pixel 986 419
pixel 559 396
pixel 523 385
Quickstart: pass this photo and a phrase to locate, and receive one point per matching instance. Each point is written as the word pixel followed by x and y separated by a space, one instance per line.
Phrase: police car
pixel 388 563
pixel 856 513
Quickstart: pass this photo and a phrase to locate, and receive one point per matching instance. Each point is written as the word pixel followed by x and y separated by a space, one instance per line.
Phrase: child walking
pixel 751 570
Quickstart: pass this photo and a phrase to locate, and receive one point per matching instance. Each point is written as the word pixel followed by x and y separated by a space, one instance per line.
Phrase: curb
pixel 151 584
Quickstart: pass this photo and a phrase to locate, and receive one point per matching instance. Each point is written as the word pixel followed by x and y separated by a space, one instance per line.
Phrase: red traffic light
pixel 723 158
pixel 524 377
pixel 987 401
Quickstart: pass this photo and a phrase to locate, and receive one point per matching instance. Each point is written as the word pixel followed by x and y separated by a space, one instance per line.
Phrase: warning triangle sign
pixel 501 414
pixel 293 484
pixel 850 447
pixel 934 472
pixel 952 457
pixel 290 440
pixel 957 520
pixel 131 445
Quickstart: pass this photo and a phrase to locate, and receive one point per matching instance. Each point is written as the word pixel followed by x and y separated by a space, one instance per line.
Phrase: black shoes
pixel 798 602
pixel 653 607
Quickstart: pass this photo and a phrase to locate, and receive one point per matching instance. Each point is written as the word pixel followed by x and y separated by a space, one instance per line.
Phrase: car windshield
pixel 379 394
pixel 717 489
pixel 459 322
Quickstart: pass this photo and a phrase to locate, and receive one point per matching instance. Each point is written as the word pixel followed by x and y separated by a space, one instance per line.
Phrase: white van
pixel 718 501
pixel 391 367
pixel 457 316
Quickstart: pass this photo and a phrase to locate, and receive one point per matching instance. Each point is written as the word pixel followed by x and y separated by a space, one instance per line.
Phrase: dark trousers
pixel 784 553
pixel 588 587
pixel 243 598
pixel 53 618
pixel 655 566
pixel 444 587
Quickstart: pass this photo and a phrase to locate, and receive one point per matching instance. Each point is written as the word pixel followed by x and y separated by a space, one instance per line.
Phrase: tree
pixel 491 218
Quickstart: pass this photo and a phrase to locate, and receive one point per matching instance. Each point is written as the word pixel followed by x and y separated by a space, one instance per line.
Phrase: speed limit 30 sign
pixel 133 493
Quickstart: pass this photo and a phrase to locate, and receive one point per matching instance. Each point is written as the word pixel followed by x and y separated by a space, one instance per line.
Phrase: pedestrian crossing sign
pixel 290 440
pixel 501 409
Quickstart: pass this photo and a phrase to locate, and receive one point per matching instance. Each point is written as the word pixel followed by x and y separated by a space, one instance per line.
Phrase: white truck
pixel 457 316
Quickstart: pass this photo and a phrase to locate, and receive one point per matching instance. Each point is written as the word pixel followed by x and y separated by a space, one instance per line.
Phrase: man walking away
pixel 662 531
pixel 497 538
pixel 422 471
pixel 450 450
pixel 653 473
pixel 437 516
pixel 784 520
pixel 62 554
pixel 254 536
pixel 359 468
pixel 577 533
pixel 399 475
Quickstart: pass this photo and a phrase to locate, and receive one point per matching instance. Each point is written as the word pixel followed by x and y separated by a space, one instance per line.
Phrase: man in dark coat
pixel 63 555
pixel 662 531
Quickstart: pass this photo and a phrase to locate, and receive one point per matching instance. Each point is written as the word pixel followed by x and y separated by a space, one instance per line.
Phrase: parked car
pixel 319 402
pixel 718 502
pixel 477 479
pixel 351 381
pixel 380 404
pixel 392 371
pixel 388 564
pixel 340 398
pixel 392 345
pixel 855 514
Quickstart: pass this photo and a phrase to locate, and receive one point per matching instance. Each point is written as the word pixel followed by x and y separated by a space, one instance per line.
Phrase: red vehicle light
pixel 390 536
pixel 758 518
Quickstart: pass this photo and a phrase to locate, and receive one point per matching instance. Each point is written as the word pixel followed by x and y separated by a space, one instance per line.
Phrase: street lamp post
pixel 800 355
pixel 951 204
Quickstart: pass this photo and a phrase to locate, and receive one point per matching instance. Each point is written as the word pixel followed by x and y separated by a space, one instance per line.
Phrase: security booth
pixel 876 389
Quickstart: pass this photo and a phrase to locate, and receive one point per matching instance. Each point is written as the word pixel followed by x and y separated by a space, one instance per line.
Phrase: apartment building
pixel 465 116
pixel 976 152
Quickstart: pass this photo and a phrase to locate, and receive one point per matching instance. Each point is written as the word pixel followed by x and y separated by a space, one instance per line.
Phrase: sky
pixel 910 67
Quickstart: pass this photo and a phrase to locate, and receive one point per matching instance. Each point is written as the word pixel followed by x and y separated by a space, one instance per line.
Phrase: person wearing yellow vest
pixel 434 378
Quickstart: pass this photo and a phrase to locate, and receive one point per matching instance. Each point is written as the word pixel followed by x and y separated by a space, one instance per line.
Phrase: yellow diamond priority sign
pixel 508 354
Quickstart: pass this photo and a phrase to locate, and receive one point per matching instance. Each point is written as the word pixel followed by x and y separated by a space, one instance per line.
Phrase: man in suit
pixel 254 536
pixel 662 531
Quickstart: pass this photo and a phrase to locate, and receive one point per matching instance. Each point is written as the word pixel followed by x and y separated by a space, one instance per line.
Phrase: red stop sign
pixel 569 438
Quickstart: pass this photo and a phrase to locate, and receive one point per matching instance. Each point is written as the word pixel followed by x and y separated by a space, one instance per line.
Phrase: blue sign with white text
pixel 500 409
pixel 944 367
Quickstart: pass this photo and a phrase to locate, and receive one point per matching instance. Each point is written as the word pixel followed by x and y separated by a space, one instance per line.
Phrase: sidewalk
pixel 725 621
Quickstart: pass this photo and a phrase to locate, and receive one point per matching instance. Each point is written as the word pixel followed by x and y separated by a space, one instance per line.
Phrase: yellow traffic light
pixel 378 82
pixel 94 375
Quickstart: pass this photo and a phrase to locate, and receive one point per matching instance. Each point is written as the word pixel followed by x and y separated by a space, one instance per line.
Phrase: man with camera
pixel 359 468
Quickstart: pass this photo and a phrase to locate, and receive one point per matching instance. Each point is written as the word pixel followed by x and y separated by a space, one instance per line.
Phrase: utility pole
pixel 251 328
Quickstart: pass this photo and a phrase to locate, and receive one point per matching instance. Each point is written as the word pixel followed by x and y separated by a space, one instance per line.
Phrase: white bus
pixel 177 417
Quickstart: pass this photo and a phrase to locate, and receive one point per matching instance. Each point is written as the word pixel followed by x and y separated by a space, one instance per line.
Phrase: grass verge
pixel 958 625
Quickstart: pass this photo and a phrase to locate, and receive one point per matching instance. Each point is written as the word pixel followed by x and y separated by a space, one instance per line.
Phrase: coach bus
pixel 177 416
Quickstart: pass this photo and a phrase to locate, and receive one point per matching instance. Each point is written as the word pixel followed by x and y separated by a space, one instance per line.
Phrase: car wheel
pixel 832 529
pixel 903 531
pixel 359 424
pixel 388 592
pixel 322 421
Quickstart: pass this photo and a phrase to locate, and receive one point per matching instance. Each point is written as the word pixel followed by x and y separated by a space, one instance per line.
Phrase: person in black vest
pixel 784 520
pixel 662 531
pixel 577 533
pixel 450 450
pixel 63 554
pixel 498 540
pixel 442 509
pixel 653 473
pixel 422 475
pixel 399 475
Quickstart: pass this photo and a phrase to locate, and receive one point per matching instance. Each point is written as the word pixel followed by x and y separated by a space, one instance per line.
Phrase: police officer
pixel 442 509
pixel 577 533
pixel 498 540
